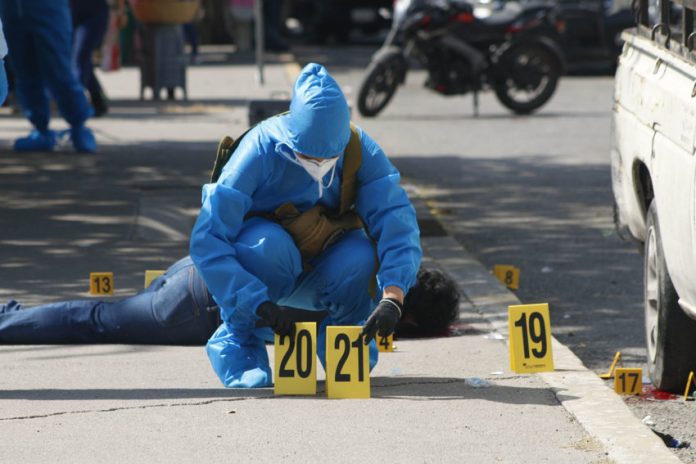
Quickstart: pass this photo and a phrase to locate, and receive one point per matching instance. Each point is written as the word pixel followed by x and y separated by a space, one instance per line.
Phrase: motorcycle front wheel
pixel 380 83
pixel 532 76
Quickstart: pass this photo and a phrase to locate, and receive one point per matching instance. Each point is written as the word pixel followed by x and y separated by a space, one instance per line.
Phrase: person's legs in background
pixel 191 36
pixel 89 31
pixel 29 84
pixel 52 32
pixel 272 26
pixel 40 39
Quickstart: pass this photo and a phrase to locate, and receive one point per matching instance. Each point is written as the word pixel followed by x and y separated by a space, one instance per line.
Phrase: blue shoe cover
pixel 239 358
pixel 83 139
pixel 36 141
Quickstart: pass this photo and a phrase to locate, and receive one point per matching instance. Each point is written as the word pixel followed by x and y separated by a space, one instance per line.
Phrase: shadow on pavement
pixel 63 215
pixel 403 388
pixel 567 249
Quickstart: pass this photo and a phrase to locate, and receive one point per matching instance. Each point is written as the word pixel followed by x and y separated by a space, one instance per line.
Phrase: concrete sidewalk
pixel 130 208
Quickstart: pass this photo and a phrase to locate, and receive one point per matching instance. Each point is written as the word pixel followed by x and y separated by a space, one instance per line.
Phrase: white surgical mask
pixel 316 168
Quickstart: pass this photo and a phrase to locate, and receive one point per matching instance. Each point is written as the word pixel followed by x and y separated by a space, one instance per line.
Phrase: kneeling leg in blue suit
pixel 336 281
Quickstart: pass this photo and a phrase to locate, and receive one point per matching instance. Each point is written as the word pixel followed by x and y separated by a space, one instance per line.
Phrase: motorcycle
pixel 514 52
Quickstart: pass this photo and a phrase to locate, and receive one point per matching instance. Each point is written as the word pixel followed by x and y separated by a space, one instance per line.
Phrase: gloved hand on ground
pixel 383 319
pixel 282 319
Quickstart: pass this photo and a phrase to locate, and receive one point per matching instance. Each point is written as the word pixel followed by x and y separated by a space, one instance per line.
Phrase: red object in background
pixel 464 18
pixel 111 49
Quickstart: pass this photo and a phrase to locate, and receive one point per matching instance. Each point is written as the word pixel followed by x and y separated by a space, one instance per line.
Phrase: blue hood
pixel 319 121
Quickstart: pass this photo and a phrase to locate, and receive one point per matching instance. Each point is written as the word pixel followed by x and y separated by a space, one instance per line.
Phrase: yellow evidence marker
pixel 530 338
pixel 101 283
pixel 628 380
pixel 689 383
pixel 610 374
pixel 508 275
pixel 385 344
pixel 295 361
pixel 347 363
pixel 150 276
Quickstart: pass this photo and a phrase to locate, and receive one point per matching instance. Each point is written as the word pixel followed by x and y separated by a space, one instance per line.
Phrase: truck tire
pixel 670 333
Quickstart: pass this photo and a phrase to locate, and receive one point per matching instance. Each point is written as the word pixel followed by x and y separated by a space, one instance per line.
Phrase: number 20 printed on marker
pixel 295 361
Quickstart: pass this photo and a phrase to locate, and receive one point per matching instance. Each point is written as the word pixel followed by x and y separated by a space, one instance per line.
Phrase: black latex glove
pixel 282 319
pixel 383 319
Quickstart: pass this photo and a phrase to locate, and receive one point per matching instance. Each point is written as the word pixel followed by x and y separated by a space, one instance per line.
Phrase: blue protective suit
pixel 246 262
pixel 3 74
pixel 39 33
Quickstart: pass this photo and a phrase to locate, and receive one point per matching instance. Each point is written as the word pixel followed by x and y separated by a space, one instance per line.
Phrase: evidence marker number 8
pixel 530 338
pixel 295 365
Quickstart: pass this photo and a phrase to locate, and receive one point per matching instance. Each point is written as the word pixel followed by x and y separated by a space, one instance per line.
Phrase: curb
pixel 600 411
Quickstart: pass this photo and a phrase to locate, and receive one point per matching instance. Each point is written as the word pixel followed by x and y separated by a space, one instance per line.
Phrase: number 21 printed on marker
pixel 347 363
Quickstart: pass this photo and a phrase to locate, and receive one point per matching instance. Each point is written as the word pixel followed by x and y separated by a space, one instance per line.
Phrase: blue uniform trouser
pixel 39 38
pixel 88 35
pixel 175 309
pixel 338 282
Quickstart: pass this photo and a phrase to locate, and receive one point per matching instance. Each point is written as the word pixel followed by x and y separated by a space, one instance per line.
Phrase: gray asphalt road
pixel 530 191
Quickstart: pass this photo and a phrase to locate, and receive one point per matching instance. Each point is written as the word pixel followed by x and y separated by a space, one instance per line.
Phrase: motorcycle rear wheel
pixel 379 84
pixel 533 76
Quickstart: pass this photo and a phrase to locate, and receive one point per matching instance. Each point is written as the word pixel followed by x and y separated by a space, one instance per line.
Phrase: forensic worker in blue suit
pixel 39 35
pixel 256 262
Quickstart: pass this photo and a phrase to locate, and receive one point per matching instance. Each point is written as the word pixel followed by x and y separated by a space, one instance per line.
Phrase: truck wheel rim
pixel 651 296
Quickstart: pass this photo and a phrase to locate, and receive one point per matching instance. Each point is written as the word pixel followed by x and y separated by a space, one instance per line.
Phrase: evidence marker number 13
pixel 101 283
pixel 530 338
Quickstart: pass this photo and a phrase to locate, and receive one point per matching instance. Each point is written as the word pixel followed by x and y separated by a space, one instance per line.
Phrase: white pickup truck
pixel 654 179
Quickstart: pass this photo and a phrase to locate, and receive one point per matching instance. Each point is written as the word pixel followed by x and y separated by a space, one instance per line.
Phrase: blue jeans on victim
pixel 176 309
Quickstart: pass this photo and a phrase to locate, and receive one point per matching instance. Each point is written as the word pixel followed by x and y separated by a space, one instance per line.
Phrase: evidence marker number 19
pixel 530 338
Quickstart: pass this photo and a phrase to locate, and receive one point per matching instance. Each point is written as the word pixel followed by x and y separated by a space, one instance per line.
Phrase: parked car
pixel 654 179
pixel 591 29
pixel 325 19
